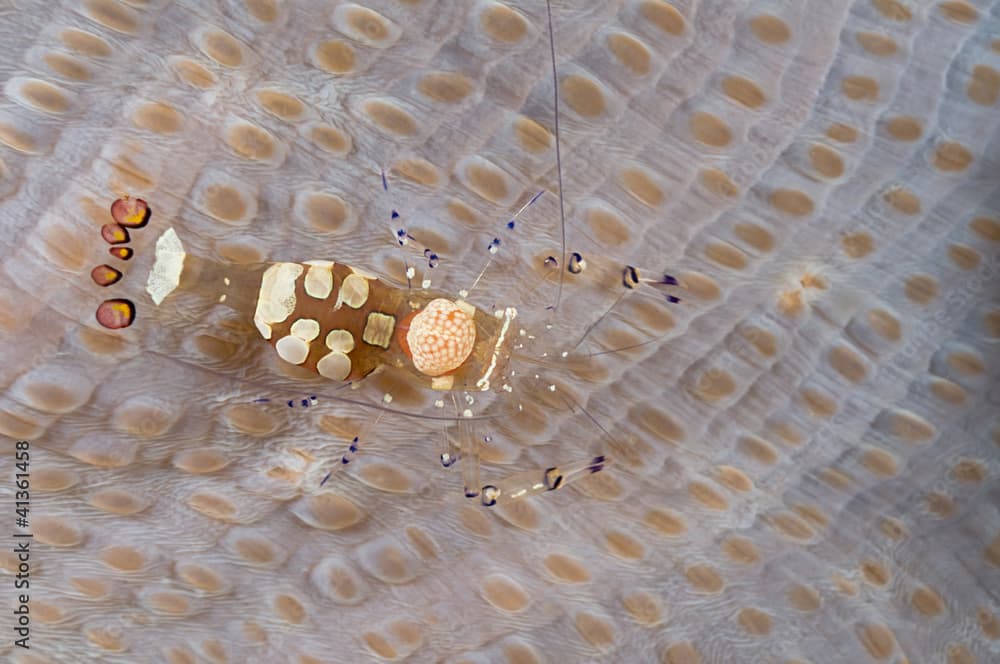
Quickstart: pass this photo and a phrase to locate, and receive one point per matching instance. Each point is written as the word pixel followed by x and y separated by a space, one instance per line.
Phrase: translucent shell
pixel 440 338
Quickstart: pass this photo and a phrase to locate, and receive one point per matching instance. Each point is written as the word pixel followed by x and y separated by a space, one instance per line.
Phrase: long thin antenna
pixel 562 211
pixel 404 239
pixel 400 235
pixel 494 245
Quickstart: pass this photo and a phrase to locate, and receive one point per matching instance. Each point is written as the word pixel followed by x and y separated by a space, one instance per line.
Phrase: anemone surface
pixel 803 451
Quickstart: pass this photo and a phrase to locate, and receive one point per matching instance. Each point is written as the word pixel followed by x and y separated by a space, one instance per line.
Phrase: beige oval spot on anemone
pixel 792 202
pixel 903 200
pixel 733 478
pixel 386 477
pixel 704 578
pixel 755 622
pixel 630 52
pixel 904 128
pixel 335 56
pixel 222 47
pixel 566 568
pixel 860 88
pixel 419 171
pixel 192 72
pixel 663 16
pixel 857 245
pixel 486 180
pixel 390 117
pixel 281 104
pixel 878 640
pixel 53 479
pixel 583 95
pixel 770 29
pixel 123 558
pixel 112 14
pixel 168 603
pixel 826 161
pixel 250 141
pixel 85 43
pixel 445 87
pixel 710 129
pixel 118 501
pixel 726 255
pixel 743 91
pixel 365 26
pixel 158 117
pixel 503 23
pixel 959 11
pixel 67 66
pixel 755 236
pixel 951 157
pixel 265 11
pixel 707 496
pixel 201 577
pixel 330 138
pixel 879 462
pixel 876 44
pixel 894 10
pixel 505 593
pixel 56 531
pixel 595 630
pixel 145 417
pixel 607 226
pixel 39 95
pixel 718 183
pixel 386 560
pixel 640 184
pixel 323 212
pixel 213 505
pixel 681 652
pixel 984 85
pixel 842 133
pixel 328 511
pixel 17 139
pixel 102 451
pixel 532 136
pixel 921 288
pixel 987 228
pixel 226 199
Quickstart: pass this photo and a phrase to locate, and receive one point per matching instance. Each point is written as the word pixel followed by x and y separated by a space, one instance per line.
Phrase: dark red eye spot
pixel 114 234
pixel 116 314
pixel 131 212
pixel 105 275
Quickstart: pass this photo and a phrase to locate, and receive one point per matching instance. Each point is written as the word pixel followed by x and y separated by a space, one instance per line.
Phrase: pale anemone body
pixel 811 441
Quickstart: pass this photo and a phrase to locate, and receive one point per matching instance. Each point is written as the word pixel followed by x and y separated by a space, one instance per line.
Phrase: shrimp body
pixel 345 323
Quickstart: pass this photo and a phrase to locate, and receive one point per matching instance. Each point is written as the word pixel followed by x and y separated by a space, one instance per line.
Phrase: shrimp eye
pixel 440 338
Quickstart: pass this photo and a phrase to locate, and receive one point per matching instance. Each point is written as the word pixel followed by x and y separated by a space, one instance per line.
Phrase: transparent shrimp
pixel 345 323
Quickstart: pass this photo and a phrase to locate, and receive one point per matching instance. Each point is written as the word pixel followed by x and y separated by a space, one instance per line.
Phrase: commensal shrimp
pixel 344 324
